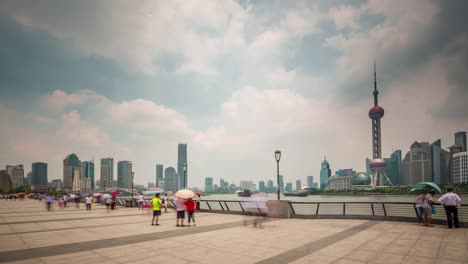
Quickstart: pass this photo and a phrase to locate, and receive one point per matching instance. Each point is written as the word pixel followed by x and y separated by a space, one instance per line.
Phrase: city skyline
pixel 235 81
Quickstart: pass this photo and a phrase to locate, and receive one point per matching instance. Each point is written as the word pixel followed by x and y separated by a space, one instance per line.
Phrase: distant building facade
pixel 124 174
pixel 281 184
pixel 107 173
pixel 417 165
pixel 310 181
pixel 159 174
pixel 171 180
pixel 298 185
pixel 5 181
pixel 181 160
pixel 87 168
pixel 71 164
pixel 17 176
pixel 460 168
pixel 208 184
pixel 325 173
pixel 249 185
pixel 261 186
pixel 56 184
pixel 39 173
pixel 460 139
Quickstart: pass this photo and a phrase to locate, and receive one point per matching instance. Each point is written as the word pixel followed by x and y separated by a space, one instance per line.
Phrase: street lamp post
pixel 184 168
pixel 278 157
pixel 133 176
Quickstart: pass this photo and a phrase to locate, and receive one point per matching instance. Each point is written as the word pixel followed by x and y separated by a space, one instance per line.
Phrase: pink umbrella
pixel 115 193
pixel 97 194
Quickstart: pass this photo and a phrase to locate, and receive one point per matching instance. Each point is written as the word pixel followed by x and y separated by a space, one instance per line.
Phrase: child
pixel 191 204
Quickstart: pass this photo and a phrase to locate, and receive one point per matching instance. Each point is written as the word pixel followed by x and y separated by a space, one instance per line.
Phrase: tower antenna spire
pixel 376 92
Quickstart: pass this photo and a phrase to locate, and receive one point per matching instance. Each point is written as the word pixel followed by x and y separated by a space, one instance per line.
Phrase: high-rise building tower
pixel 208 184
pixel 325 173
pixel 71 163
pixel 87 168
pixel 460 139
pixel 17 175
pixel 460 168
pixel 107 173
pixel 159 175
pixel 39 173
pixel 378 164
pixel 261 186
pixel 298 185
pixel 171 180
pixel 181 160
pixel 124 174
pixel 281 184
pixel 310 181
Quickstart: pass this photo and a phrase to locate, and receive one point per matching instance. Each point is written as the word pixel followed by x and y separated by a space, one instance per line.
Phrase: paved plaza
pixel 29 234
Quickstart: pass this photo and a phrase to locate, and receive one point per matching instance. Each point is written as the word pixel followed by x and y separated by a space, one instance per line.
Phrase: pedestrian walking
pixel 428 202
pixel 191 205
pixel 141 202
pixel 49 200
pixel 108 204
pixel 420 206
pixel 198 202
pixel 65 200
pixel 180 208
pixel 89 200
pixel 156 202
pixel 451 202
pixel 166 202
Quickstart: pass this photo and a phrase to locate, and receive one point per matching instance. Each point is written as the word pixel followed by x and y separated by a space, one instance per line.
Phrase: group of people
pixel 183 207
pixel 425 206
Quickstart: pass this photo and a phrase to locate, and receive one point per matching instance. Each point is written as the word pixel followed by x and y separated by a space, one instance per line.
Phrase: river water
pixel 334 198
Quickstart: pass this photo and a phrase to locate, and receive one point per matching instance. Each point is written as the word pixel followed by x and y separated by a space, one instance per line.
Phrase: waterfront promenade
pixel 29 234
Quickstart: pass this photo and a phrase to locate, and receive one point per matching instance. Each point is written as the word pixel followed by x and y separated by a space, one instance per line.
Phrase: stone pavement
pixel 29 234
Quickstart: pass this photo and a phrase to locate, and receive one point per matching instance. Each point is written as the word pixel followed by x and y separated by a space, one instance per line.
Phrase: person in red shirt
pixel 191 204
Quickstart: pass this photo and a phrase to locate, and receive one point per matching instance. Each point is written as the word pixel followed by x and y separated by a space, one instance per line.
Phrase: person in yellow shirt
pixel 156 202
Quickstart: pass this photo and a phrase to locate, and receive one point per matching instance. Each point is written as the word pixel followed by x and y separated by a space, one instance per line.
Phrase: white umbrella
pixel 185 194
pixel 72 196
pixel 107 195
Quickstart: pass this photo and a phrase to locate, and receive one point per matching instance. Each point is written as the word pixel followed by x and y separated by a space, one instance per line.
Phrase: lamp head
pixel 278 155
pixel 184 166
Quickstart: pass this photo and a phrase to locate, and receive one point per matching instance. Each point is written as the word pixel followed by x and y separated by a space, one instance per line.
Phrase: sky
pixel 235 80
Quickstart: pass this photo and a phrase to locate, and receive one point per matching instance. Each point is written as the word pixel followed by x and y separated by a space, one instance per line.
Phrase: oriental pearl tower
pixel 378 164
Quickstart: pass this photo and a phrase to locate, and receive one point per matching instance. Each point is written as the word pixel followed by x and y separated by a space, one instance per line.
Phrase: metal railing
pixel 391 211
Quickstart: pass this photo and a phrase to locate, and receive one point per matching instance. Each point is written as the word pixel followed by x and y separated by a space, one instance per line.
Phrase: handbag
pixel 434 209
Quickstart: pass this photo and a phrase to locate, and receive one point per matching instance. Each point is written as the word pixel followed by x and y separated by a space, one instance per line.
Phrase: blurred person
pixel 166 202
pixel 428 202
pixel 65 200
pixel 156 202
pixel 60 202
pixel 420 206
pixel 191 205
pixel 108 204
pixel 89 200
pixel 49 200
pixel 451 202
pixel 180 209
pixel 141 201
pixel 77 201
pixel 198 202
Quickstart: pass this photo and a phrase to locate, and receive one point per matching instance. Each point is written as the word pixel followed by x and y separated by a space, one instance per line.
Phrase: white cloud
pixel 345 16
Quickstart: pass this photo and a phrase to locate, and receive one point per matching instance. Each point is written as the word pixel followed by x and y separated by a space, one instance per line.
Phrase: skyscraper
pixel 288 187
pixel 460 139
pixel 310 181
pixel 39 173
pixel 298 185
pixel 107 173
pixel 5 181
pixel 270 184
pixel 159 174
pixel 394 167
pixel 17 175
pixel 261 186
pixel 460 167
pixel 124 174
pixel 440 161
pixel 71 163
pixel 208 184
pixel 171 179
pixel 87 168
pixel 378 164
pixel 325 173
pixel 417 164
pixel 181 160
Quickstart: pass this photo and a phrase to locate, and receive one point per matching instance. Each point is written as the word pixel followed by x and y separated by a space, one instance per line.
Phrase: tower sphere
pixel 378 164
pixel 376 112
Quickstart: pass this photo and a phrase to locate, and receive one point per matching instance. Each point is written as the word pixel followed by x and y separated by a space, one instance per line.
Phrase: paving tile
pixel 387 258
pixel 417 260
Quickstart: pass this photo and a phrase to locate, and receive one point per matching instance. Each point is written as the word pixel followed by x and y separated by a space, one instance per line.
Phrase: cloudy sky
pixel 235 80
